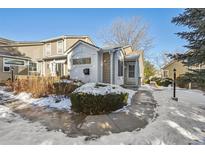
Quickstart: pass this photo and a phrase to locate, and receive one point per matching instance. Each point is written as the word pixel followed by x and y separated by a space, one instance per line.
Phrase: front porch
pixel 55 66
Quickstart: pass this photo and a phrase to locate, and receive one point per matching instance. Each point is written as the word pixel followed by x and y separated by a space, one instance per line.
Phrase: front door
pixel 106 67
pixel 130 73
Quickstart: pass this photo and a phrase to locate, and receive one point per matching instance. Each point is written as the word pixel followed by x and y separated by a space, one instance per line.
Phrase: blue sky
pixel 38 24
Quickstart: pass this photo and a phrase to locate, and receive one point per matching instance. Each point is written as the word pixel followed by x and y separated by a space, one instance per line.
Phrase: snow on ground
pixel 181 122
pixel 103 89
pixel 64 103
pixel 79 83
pixel 57 102
pixel 16 130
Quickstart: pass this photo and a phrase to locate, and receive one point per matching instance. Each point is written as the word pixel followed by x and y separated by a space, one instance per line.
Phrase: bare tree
pixel 127 32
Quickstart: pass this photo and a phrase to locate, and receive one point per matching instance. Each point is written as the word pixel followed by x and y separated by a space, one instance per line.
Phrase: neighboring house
pixel 167 70
pixel 47 57
pixel 78 57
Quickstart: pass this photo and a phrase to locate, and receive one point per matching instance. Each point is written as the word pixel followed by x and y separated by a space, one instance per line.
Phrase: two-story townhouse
pixel 45 58
pixel 78 57
pixel 54 61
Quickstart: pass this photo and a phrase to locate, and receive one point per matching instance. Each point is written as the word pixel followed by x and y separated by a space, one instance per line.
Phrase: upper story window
pixel 48 49
pixel 60 47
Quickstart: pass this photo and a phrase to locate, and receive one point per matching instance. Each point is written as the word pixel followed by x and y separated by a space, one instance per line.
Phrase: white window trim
pixel 36 67
pixel 46 49
pixel 167 73
pixel 25 62
pixel 58 46
pixel 9 65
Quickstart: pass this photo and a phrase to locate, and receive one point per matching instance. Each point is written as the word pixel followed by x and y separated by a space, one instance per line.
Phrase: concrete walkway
pixel 135 117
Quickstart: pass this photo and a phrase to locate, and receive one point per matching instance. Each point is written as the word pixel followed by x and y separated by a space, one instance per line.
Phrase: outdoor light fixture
pixel 86 71
pixel 174 86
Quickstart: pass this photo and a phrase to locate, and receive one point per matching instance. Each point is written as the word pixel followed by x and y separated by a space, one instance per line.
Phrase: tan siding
pixel 180 69
pixel 47 69
pixel 3 43
pixel 141 64
pixel 34 52
pixel 3 75
pixel 128 50
pixel 88 40
pixel 71 41
pixel 106 68
pixel 18 70
pixel 54 48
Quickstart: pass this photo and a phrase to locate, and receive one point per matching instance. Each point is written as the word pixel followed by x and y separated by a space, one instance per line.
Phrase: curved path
pixel 135 117
pixel 181 122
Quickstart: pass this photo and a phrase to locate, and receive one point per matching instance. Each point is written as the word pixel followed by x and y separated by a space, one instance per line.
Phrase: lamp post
pixel 174 86
pixel 12 74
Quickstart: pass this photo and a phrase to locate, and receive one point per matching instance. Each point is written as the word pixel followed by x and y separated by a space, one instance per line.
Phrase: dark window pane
pixel 6 69
pixel 32 66
pixel 131 71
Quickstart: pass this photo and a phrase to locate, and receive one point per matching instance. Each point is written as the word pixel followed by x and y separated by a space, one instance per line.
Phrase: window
pixel 48 49
pixel 131 71
pixel 166 73
pixel 48 65
pixel 60 47
pixel 10 61
pixel 32 66
pixel 6 69
pixel 81 61
pixel 120 68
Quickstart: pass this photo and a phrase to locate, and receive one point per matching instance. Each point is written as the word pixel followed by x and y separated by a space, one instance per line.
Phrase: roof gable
pixel 81 42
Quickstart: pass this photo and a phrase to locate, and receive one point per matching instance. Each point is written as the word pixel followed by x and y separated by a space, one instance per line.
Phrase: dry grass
pixel 41 86
pixel 37 86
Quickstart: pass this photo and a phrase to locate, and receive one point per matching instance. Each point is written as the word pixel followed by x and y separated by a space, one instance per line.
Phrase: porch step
pixel 133 87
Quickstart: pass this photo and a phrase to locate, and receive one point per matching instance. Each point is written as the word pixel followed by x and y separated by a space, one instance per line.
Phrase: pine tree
pixel 194 19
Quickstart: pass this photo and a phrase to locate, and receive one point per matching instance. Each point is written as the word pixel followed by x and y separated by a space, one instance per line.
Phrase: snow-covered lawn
pixel 181 122
pixel 64 103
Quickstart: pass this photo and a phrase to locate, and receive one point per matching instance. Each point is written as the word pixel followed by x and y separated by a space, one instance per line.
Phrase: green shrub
pixel 162 81
pixel 97 104
pixel 147 81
